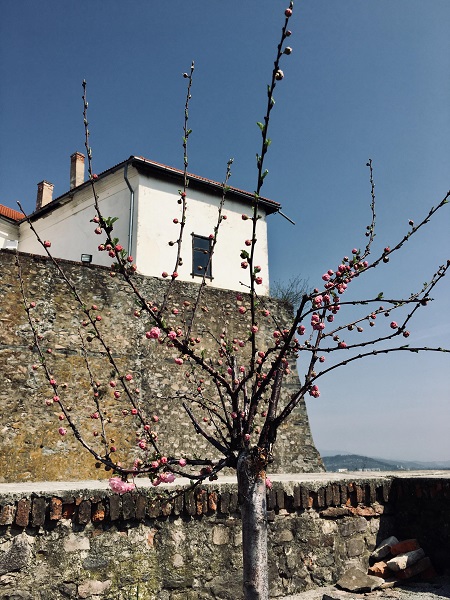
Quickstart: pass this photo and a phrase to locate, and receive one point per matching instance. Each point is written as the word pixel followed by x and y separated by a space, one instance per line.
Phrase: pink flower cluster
pixel 119 486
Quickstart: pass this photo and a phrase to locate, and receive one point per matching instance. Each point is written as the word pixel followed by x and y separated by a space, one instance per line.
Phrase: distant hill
pixel 355 462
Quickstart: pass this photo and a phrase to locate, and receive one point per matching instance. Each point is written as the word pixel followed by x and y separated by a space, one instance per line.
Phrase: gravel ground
pixel 438 589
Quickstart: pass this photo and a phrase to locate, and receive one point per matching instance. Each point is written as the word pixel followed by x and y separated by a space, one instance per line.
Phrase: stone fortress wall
pixel 31 448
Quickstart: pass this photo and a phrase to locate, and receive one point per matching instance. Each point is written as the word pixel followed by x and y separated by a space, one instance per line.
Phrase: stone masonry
pixel 90 543
pixel 31 448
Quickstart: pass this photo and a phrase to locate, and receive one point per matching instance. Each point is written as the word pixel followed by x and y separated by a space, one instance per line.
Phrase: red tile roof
pixel 10 213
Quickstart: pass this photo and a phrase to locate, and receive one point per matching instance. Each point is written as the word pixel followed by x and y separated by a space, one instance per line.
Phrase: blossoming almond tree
pixel 246 374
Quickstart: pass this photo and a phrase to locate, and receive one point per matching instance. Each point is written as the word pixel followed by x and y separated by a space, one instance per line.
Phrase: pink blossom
pixel 119 486
pixel 254 329
pixel 242 310
pixel 239 297
pixel 248 242
pixel 268 483
pixel 172 335
pixel 119 247
pixel 153 334
pixel 326 277
pixel 258 280
pixel 394 325
pixel 164 274
pixel 62 431
pixel 301 330
pixel 406 334
pixel 178 361
pixel 342 345
pixel 182 462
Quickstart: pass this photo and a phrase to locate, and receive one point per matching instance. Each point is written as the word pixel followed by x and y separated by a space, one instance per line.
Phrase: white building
pixel 144 196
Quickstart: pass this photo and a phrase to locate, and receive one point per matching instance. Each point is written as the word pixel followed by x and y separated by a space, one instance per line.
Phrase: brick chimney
pixel 76 169
pixel 44 194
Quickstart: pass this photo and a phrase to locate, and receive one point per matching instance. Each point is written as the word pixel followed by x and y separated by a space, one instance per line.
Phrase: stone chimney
pixel 44 194
pixel 76 169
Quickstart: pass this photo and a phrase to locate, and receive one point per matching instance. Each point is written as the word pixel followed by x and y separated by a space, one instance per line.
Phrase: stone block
pixel 355 580
pixel 93 587
pixel 17 556
pixel 355 547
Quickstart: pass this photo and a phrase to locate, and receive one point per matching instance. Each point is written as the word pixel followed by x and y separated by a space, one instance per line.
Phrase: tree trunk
pixel 252 497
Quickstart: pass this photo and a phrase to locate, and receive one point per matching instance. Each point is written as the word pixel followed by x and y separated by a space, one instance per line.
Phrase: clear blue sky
pixel 365 79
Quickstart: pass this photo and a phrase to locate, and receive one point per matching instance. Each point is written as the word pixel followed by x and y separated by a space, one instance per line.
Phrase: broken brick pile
pixel 400 560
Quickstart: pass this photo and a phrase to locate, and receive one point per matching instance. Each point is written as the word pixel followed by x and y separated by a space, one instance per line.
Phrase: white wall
pixel 8 231
pixel 157 207
pixel 69 229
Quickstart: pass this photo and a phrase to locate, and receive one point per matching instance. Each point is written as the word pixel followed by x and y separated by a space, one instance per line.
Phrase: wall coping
pixel 287 479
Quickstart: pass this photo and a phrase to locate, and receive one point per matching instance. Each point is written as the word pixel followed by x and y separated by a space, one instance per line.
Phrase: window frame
pixel 196 250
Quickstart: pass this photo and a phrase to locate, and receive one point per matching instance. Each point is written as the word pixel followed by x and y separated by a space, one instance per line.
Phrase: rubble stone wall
pixel 142 545
pixel 31 448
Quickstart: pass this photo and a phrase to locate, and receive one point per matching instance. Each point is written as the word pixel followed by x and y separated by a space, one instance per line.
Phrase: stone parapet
pixel 157 545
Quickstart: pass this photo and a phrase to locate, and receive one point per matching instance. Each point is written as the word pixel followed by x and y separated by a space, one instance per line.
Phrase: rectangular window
pixel 201 254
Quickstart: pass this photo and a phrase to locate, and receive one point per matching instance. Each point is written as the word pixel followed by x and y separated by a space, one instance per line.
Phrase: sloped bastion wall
pixel 66 542
pixel 31 448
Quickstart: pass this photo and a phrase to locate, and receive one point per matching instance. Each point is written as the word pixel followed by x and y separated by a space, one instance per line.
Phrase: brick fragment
pixel 84 512
pixel 141 505
pixel 212 501
pixel 280 498
pixel 23 512
pixel 189 502
pixel 38 512
pixel 154 508
pixel 304 493
pixel 55 509
pixel 7 516
pixel 201 502
pixel 178 504
pixel 404 546
pixel 166 508
pixel 98 513
pixel 271 499
pixel 380 569
pixel 336 494
pixel 428 574
pixel 68 510
pixel 335 512
pixel 233 502
pixel 418 567
pixel 224 502
pixel 403 561
pixel 329 495
pixel 359 489
pixel 114 507
pixel 320 497
pixel 363 511
pixel 344 493
pixel 128 506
